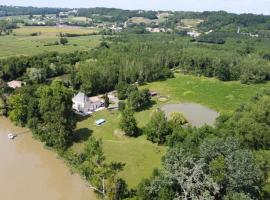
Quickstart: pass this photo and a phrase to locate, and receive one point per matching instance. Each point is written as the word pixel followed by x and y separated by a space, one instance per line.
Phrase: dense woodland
pixel 18 10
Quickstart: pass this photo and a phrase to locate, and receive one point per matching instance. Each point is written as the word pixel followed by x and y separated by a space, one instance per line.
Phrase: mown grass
pixel 140 155
pixel 23 44
pixel 218 95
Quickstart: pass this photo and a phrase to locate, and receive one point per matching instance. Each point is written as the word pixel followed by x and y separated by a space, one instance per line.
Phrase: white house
pixel 15 84
pixel 85 104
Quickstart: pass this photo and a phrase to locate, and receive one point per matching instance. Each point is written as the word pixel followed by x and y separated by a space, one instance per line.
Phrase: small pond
pixel 196 114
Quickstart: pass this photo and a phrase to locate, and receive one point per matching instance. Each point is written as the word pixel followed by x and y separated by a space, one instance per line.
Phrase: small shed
pixel 100 121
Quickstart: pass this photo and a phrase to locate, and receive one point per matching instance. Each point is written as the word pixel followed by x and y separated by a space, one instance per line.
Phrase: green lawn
pixel 23 44
pixel 139 155
pixel 218 95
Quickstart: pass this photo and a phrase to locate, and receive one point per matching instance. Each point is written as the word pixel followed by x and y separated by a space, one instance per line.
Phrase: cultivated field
pixel 191 22
pixel 22 43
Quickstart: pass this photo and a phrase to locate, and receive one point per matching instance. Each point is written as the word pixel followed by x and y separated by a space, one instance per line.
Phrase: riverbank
pixel 25 159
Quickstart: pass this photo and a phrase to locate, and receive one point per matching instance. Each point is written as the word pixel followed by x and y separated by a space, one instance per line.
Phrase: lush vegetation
pixel 225 162
pixel 228 161
pixel 18 10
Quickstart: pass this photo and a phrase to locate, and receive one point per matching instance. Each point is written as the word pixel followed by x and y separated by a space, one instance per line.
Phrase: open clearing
pixel 23 44
pixel 140 155
pixel 218 95
pixel 191 22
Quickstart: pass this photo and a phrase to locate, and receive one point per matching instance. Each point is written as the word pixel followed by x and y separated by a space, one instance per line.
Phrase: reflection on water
pixel 30 172
pixel 196 114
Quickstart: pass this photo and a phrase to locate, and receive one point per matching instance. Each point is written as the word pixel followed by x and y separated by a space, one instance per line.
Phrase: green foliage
pixel 122 90
pixel 177 120
pixel 57 120
pixel 3 106
pixel 138 100
pixel 158 128
pixel 63 41
pixel 101 175
pixel 250 123
pixel 128 123
pixel 17 105
pixel 106 100
pixel 183 177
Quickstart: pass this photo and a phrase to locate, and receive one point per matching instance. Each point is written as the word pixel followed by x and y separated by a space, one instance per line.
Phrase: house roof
pixel 15 84
pixel 94 99
pixel 80 97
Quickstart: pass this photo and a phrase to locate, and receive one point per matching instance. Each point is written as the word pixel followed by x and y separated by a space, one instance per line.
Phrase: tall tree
pixel 128 123
pixel 57 121
pixel 157 129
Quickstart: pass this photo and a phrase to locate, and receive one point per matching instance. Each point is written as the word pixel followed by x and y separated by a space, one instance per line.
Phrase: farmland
pixel 22 43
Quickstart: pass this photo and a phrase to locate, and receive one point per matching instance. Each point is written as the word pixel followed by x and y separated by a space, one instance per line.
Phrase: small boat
pixel 11 136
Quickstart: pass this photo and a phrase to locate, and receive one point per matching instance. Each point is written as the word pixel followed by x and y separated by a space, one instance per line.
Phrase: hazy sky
pixel 237 6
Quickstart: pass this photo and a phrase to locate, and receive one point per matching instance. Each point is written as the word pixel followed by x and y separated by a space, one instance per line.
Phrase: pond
pixel 196 114
pixel 28 171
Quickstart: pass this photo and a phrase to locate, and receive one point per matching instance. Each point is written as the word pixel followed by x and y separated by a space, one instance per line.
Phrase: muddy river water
pixel 28 171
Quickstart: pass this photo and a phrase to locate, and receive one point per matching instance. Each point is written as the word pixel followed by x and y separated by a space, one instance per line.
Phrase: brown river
pixel 28 171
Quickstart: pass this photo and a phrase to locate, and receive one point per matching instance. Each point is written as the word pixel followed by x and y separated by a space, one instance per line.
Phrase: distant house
pixel 15 84
pixel 193 34
pixel 84 104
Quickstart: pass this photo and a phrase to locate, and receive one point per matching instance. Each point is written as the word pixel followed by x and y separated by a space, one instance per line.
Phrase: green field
pixel 140 155
pixel 191 22
pixel 218 95
pixel 21 43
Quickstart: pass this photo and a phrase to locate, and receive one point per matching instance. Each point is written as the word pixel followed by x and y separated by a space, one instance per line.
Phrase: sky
pixel 235 6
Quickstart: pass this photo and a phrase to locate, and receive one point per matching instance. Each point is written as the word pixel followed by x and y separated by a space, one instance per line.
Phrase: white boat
pixel 11 136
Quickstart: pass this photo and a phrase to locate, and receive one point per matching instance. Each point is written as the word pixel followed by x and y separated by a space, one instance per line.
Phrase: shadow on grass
pixel 148 106
pixel 80 118
pixel 82 135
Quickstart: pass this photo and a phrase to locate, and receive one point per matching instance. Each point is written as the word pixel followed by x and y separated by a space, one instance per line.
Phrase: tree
pixel 106 100
pixel 128 123
pixel 188 176
pixel 121 105
pixel 250 123
pixel 36 75
pixel 137 100
pixel 57 120
pixel 182 178
pixel 3 106
pixel 243 174
pixel 122 90
pixel 100 174
pixel 177 120
pixel 17 105
pixel 63 41
pixel 157 129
